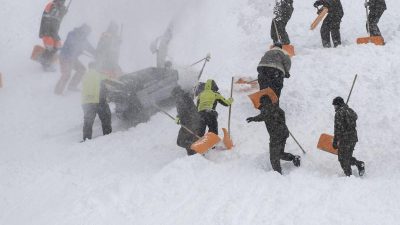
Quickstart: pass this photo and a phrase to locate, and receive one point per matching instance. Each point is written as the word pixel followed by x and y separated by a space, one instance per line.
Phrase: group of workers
pixel 331 25
pixel 274 66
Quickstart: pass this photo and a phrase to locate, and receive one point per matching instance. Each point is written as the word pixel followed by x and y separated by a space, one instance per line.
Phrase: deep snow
pixel 139 175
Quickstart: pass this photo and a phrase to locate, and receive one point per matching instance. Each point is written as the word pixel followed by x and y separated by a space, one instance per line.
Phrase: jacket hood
pixel 211 85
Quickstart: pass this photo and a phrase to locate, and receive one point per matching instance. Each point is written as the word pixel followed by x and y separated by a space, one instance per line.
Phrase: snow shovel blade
pixel 227 139
pixel 377 40
pixel 37 52
pixel 205 143
pixel 255 97
pixel 289 49
pixel 325 144
pixel 319 18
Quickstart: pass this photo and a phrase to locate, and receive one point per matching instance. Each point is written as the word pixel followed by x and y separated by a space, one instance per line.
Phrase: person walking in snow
pixel 206 103
pixel 274 118
pixel 50 23
pixel 376 9
pixel 75 44
pixel 188 117
pixel 273 68
pixel 331 25
pixel 94 102
pixel 345 137
pixel 108 51
pixel 283 11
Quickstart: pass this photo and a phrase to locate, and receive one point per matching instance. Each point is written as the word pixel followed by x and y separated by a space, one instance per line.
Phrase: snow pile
pixel 139 176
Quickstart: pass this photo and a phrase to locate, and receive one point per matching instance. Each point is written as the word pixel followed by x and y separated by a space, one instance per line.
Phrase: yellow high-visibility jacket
pixel 208 99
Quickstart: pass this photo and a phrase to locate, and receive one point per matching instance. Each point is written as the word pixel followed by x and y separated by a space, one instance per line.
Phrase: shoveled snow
pixel 140 176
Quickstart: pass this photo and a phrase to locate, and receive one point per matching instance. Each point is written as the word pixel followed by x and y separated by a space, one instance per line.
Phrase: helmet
pixel 338 101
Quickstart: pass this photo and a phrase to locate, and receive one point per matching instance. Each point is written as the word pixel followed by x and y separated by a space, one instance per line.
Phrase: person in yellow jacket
pixel 206 103
pixel 94 102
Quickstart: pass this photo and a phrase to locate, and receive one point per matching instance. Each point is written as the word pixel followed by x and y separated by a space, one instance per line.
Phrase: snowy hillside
pixel 140 176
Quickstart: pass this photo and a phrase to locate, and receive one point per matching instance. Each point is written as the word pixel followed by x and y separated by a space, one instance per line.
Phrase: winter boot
pixel 361 168
pixel 296 161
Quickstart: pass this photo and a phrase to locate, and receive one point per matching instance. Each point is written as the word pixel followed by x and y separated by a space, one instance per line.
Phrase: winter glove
pixel 250 119
pixel 287 75
pixel 316 4
pixel 230 100
pixel 177 120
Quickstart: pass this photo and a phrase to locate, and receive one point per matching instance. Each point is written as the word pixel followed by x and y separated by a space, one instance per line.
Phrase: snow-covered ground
pixel 139 176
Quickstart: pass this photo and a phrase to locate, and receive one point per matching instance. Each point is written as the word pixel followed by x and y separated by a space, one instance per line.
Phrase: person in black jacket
pixel 376 9
pixel 274 118
pixel 345 138
pixel 331 25
pixel 283 11
pixel 49 28
pixel 188 117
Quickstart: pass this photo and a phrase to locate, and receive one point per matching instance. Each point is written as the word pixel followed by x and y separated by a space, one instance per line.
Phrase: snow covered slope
pixel 139 176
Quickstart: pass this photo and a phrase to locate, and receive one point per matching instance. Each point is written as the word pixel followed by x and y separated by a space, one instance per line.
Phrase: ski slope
pixel 140 176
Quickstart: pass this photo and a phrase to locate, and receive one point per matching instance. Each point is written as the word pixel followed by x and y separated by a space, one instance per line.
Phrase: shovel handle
pixel 170 116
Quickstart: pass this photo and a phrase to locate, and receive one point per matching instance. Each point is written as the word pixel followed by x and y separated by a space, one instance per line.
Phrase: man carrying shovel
pixel 274 118
pixel 345 138
pixel 283 11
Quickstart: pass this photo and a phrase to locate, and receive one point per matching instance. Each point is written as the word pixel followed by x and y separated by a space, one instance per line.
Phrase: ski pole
pixel 170 116
pixel 207 59
pixel 304 152
pixel 351 90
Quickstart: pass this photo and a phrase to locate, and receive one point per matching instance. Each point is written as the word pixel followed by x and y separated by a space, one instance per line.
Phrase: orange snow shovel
pixel 255 97
pixel 377 40
pixel 204 143
pixel 37 52
pixel 227 133
pixel 208 141
pixel 325 144
pixel 321 15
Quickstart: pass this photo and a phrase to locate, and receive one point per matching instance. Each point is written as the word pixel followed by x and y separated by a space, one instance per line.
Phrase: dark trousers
pixel 281 27
pixel 208 119
pixel 373 19
pixel 90 111
pixel 345 157
pixel 270 78
pixel 331 27
pixel 277 153
pixel 66 67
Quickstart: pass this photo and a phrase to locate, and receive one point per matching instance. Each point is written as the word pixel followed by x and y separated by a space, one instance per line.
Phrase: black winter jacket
pixel 335 8
pixel 377 5
pixel 283 10
pixel 189 117
pixel 345 125
pixel 274 118
pixel 51 20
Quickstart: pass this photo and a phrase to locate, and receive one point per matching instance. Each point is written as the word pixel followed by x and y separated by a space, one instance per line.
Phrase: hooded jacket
pixel 278 59
pixel 345 125
pixel 275 121
pixel 208 98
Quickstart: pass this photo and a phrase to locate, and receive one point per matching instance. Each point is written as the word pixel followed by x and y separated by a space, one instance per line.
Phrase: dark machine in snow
pixel 137 93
